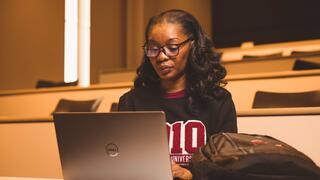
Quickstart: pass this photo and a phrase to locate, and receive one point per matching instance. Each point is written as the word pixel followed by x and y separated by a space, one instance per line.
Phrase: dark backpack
pixel 231 156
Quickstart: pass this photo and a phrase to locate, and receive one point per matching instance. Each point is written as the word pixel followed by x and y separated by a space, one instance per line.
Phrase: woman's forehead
pixel 164 32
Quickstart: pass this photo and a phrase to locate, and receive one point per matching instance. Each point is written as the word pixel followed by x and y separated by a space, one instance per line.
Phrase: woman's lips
pixel 165 69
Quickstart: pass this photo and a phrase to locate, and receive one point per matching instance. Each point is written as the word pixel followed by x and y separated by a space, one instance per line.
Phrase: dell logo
pixel 112 150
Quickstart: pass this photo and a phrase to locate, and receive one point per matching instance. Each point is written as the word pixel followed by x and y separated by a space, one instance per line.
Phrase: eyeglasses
pixel 170 50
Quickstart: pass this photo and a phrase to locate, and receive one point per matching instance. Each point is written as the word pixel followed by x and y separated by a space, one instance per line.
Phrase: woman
pixel 182 76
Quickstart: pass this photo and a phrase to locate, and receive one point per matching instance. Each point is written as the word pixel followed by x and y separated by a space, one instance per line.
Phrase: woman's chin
pixel 166 76
pixel 166 73
pixel 170 75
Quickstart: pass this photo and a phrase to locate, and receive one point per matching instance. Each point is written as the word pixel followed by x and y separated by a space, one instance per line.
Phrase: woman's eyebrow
pixel 153 41
pixel 171 40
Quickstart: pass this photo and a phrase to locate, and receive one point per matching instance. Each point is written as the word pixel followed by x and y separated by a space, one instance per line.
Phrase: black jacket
pixel 218 116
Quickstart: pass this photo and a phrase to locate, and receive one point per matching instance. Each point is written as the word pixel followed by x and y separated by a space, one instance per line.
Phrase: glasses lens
pixel 171 50
pixel 152 51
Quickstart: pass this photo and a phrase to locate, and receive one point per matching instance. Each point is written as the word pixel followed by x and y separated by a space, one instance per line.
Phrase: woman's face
pixel 170 66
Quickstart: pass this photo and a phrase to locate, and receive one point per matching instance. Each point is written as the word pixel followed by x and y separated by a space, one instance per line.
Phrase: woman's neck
pixel 176 85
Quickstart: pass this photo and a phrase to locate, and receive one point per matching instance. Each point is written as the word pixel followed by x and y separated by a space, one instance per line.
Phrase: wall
pixel 108 28
pixel 201 9
pixel 32 40
pixel 31 45
pixel 32 37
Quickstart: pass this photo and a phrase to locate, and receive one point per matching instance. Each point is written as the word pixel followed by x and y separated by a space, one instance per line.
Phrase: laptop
pixel 115 146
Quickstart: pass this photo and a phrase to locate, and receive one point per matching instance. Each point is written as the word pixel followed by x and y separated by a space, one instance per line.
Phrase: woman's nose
pixel 162 57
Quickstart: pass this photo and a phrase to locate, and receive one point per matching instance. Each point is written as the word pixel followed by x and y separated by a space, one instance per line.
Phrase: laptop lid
pixel 117 146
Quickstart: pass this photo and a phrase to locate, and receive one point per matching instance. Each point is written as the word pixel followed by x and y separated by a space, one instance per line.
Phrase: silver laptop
pixel 115 146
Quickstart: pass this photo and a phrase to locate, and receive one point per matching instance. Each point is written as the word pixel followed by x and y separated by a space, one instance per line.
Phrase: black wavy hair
pixel 204 73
